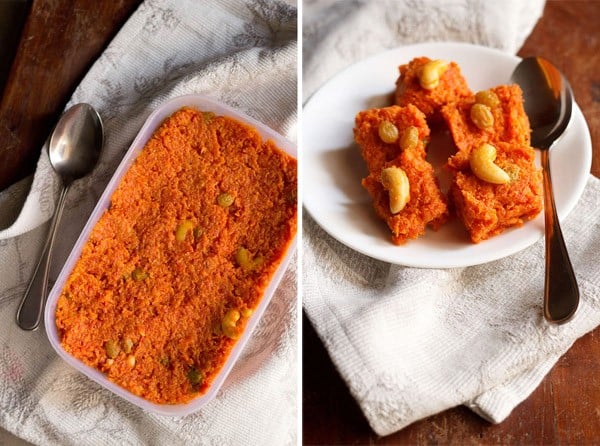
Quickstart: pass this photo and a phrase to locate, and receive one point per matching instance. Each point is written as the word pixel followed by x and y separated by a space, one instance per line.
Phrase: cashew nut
pixel 244 258
pixel 429 77
pixel 395 181
pixel 182 229
pixel 482 165
pixel 229 324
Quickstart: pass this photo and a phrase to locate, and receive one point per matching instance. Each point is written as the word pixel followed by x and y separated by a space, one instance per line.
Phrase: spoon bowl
pixel 548 102
pixel 548 99
pixel 76 142
pixel 73 149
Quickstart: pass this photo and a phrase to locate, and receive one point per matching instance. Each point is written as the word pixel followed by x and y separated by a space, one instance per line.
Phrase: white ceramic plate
pixel 333 168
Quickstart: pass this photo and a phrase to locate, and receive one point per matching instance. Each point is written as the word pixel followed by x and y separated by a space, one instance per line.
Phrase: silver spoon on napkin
pixel 548 103
pixel 74 149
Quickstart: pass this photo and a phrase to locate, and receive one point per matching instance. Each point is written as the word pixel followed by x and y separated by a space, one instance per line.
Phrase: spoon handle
pixel 561 293
pixel 30 311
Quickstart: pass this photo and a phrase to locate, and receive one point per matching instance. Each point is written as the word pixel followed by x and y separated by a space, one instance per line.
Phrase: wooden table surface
pixel 565 409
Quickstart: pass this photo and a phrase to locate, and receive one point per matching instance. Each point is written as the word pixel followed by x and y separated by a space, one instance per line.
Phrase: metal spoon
pixel 74 149
pixel 548 104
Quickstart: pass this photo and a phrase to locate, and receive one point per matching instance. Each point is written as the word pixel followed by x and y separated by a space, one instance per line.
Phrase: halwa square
pixel 504 117
pixel 488 209
pixel 426 205
pixel 375 151
pixel 451 87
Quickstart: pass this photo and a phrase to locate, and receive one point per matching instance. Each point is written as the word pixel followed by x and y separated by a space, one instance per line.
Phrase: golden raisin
pixel 139 274
pixel 194 377
pixel 487 97
pixel 112 348
pixel 409 138
pixel 208 116
pixel 388 132
pixel 225 199
pixel 127 345
pixel 482 116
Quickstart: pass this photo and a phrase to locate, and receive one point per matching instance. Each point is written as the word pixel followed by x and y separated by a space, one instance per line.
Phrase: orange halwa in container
pixel 180 257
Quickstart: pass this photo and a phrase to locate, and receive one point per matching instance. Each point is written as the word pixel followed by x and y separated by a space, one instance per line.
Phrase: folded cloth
pixel 243 53
pixel 413 342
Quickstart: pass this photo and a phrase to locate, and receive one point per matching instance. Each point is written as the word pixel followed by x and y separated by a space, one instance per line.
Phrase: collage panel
pixel 160 136
pixel 446 299
pixel 299 222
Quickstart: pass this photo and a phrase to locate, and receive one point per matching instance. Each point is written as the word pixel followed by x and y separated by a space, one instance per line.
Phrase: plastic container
pixel 152 123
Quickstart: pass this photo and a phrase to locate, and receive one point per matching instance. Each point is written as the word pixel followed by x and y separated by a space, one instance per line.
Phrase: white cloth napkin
pixel 243 53
pixel 413 342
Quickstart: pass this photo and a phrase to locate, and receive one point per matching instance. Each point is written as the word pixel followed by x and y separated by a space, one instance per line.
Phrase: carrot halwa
pixel 452 87
pixel 509 123
pixel 175 267
pixel 495 183
pixel 497 117
pixel 487 209
pixel 425 205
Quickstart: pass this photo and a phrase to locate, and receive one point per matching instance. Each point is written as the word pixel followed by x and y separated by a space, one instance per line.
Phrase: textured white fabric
pixel 337 33
pixel 243 53
pixel 413 342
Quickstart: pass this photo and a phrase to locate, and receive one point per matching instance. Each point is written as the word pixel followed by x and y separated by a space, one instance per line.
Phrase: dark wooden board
pixel 59 43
